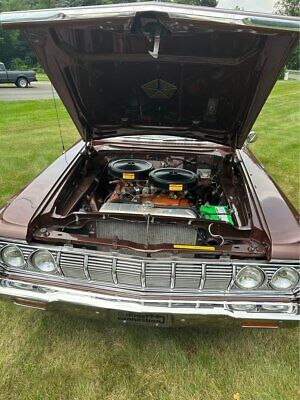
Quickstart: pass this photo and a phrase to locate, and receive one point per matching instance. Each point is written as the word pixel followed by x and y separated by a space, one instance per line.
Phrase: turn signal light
pixel 30 304
pixel 259 324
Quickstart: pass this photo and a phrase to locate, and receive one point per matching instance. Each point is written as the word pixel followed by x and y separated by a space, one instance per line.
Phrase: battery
pixel 216 213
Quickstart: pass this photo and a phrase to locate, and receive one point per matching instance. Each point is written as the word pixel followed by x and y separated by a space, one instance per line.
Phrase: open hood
pixel 153 67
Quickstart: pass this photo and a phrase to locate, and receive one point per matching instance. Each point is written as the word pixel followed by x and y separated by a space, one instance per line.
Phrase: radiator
pixel 146 234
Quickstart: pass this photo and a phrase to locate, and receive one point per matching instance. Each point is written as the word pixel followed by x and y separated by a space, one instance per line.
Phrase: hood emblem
pixel 159 89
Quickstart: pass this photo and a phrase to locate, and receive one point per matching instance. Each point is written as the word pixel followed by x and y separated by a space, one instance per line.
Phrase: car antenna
pixel 58 123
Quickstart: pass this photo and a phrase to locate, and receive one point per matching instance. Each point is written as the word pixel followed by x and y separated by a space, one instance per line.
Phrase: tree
pixel 291 7
pixel 288 7
pixel 204 3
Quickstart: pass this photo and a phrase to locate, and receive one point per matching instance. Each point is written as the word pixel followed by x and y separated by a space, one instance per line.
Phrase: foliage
pixel 282 73
pixel 294 60
pixel 204 3
pixel 288 7
pixel 17 64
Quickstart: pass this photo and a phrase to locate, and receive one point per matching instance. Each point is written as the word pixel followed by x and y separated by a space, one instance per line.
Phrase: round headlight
pixel 243 307
pixel 44 261
pixel 285 278
pixel 250 278
pixel 12 256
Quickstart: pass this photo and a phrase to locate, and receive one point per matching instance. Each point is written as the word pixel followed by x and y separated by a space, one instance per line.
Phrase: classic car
pixel 20 78
pixel 160 215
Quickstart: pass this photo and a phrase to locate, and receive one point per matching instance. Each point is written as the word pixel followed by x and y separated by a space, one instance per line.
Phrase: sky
pixel 266 6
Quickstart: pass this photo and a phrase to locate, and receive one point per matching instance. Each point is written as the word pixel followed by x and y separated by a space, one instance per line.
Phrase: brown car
pixel 160 215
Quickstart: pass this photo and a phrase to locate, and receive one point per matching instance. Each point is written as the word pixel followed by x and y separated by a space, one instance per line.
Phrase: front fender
pixel 280 217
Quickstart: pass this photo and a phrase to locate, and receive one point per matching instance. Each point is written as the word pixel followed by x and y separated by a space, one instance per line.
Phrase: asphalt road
pixel 36 91
pixel 294 76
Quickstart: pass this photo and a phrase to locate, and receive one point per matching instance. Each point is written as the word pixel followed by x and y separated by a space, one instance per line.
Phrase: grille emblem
pixel 159 89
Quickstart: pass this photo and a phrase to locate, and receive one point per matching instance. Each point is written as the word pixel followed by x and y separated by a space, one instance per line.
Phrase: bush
pixel 294 60
pixel 281 75
pixel 27 64
pixel 17 63
pixel 38 69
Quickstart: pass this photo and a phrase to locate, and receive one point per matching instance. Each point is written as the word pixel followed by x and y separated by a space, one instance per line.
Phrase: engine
pixel 146 201
pixel 141 189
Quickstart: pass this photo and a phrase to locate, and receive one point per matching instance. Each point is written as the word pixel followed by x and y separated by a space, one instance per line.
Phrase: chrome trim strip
pixel 114 271
pixel 51 295
pixel 58 264
pixel 143 274
pixel 85 267
pixel 173 276
pixel 187 12
pixel 203 275
pixel 234 273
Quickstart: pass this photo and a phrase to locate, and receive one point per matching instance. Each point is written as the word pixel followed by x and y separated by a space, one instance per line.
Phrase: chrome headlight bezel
pixel 6 263
pixel 38 268
pixel 251 267
pixel 291 270
pixel 273 308
pixel 243 307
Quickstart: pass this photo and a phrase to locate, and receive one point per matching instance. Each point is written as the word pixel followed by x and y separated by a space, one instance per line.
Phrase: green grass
pixel 42 77
pixel 58 357
pixel 277 146
pixel 30 141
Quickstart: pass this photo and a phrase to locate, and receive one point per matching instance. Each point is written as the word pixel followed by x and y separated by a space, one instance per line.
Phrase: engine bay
pixel 153 203
pixel 168 190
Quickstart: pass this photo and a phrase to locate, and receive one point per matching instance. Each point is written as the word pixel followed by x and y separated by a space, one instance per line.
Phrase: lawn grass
pixel 278 141
pixel 30 140
pixel 57 357
pixel 42 77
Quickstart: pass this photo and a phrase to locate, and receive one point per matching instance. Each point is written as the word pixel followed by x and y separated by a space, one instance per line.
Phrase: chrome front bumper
pixel 148 311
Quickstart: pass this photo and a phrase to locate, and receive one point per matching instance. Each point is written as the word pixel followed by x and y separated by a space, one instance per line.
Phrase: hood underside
pixel 160 68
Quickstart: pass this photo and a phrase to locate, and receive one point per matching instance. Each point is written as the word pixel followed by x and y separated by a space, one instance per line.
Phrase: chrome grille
pixel 128 273
pixel 158 275
pixel 216 276
pixel 188 276
pixel 100 269
pixel 148 274
pixel 72 265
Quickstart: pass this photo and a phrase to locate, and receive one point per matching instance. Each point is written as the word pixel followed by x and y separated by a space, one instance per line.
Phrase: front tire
pixel 22 83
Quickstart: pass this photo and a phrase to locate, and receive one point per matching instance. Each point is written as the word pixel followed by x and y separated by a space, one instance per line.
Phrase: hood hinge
pixel 234 142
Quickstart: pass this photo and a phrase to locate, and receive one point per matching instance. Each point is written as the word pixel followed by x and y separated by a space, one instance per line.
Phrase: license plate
pixel 143 319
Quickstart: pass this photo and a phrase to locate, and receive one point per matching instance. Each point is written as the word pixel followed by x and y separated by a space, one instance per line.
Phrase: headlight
pixel 12 256
pixel 44 261
pixel 285 278
pixel 243 307
pixel 250 278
